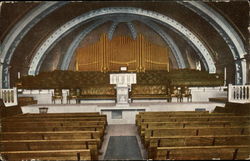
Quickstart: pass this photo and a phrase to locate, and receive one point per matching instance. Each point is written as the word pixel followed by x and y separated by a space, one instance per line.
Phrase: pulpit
pixel 123 83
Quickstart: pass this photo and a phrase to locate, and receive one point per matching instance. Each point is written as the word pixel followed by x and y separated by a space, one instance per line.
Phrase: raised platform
pixel 122 114
pixel 199 94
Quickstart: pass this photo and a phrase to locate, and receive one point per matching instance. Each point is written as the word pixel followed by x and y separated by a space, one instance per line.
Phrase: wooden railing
pixel 9 96
pixel 239 93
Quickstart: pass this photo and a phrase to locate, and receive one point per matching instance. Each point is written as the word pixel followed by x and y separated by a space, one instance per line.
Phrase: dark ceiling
pixel 236 12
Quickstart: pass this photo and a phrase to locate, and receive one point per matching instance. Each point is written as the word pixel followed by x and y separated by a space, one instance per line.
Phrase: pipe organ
pixel 109 55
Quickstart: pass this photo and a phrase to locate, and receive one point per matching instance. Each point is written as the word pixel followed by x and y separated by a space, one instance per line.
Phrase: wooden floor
pixel 121 130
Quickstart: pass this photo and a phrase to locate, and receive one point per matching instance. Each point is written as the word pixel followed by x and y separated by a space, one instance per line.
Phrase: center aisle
pixel 122 130
pixel 123 147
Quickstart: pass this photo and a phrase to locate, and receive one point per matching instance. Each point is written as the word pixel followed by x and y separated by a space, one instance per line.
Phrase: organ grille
pixel 109 55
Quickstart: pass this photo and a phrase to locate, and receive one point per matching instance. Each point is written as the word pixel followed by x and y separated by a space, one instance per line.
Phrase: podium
pixel 123 83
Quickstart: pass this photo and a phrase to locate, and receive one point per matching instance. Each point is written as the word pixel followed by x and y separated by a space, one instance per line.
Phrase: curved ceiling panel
pixel 13 38
pixel 41 52
pixel 227 32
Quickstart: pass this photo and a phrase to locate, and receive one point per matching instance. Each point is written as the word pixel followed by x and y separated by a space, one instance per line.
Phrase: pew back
pixel 56 135
pixel 83 154
pixel 202 152
pixel 181 141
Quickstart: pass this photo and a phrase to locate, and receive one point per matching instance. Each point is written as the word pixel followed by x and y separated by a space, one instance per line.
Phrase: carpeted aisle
pixel 123 147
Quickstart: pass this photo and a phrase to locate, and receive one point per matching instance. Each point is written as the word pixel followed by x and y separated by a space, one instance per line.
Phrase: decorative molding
pixel 226 31
pixel 16 34
pixel 132 30
pixel 112 30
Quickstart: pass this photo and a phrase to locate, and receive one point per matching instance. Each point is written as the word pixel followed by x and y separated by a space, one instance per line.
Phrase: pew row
pixel 52 123
pixel 142 115
pixel 235 152
pixel 194 132
pixel 181 141
pixel 55 135
pixel 86 114
pixel 32 145
pixel 83 154
pixel 203 118
pixel 23 119
pixel 179 114
pixel 194 135
pixel 190 124
pixel 24 135
pixel 56 128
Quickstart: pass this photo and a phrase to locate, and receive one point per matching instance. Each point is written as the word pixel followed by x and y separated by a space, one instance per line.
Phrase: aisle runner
pixel 123 147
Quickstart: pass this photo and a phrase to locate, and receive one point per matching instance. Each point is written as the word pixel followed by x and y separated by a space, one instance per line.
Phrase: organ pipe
pixel 109 55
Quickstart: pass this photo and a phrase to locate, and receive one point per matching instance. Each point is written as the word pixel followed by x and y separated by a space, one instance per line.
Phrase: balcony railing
pixel 9 96
pixel 239 93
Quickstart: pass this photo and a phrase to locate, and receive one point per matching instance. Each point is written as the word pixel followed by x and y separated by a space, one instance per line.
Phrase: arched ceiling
pixel 57 14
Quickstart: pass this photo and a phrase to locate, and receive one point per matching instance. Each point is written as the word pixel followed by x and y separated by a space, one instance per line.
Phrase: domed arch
pixel 67 27
pixel 228 33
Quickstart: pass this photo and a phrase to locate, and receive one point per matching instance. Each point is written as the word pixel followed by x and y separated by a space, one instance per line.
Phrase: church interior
pixel 124 80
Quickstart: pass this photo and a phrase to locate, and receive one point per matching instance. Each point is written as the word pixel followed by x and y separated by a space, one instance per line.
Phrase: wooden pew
pixel 55 128
pixel 32 145
pixel 55 119
pixel 182 115
pixel 46 132
pixel 170 114
pixel 56 125
pixel 193 132
pixel 9 145
pixel 190 124
pixel 179 113
pixel 148 115
pixel 83 154
pixel 243 154
pixel 87 114
pixel 180 141
pixel 56 135
pixel 62 119
pixel 145 125
pixel 197 131
pixel 215 134
pixel 204 118
pixel 53 123
pixel 53 140
pixel 18 145
pixel 230 152
pixel 45 116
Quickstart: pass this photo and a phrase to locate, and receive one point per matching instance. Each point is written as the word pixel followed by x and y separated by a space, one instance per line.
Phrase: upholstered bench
pixel 149 92
pixel 97 92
